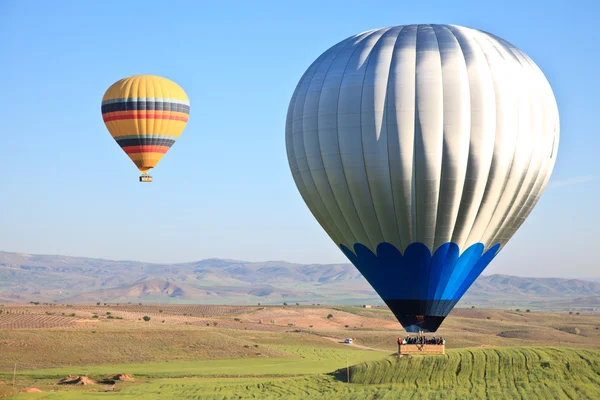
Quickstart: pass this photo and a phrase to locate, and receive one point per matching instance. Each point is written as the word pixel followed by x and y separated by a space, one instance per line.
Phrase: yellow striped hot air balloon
pixel 145 114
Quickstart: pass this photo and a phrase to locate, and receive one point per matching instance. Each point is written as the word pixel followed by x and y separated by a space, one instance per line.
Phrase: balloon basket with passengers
pixel 421 345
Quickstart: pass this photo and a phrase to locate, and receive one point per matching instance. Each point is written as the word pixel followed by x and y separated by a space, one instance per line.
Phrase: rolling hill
pixel 27 277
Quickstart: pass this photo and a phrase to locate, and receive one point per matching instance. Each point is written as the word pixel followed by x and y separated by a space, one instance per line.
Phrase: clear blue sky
pixel 225 189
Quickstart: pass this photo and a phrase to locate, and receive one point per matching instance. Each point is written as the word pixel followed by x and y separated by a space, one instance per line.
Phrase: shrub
pixel 94 316
pixel 346 326
pixel 297 304
pixel 160 311
pixel 472 306
pixel 329 316
pixel 108 313
pixel 98 303
pixel 236 319
pixel 545 364
pixel 528 310
pixel 518 310
pixel 72 314
pixel 146 318
pixel 285 304
pixel 488 317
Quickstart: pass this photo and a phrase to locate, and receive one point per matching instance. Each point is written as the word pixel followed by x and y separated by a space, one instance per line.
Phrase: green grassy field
pixel 268 353
pixel 298 360
pixel 519 373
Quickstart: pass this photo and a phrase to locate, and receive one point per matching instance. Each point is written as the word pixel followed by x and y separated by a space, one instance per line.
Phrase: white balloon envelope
pixel 421 149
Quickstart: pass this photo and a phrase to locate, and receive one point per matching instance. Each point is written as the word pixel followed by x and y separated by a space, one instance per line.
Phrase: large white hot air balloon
pixel 421 149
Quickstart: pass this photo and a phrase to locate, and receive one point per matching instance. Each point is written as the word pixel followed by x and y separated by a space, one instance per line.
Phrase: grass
pixel 313 387
pixel 300 360
pixel 185 358
pixel 34 349
pixel 519 373
pixel 543 372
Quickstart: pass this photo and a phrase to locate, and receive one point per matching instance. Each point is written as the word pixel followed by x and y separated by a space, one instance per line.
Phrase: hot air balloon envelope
pixel 145 114
pixel 421 149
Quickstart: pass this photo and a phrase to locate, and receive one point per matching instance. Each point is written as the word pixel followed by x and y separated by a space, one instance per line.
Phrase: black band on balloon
pixel 420 315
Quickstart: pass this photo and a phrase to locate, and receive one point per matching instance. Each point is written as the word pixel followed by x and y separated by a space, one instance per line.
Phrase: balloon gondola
pixel 420 150
pixel 145 114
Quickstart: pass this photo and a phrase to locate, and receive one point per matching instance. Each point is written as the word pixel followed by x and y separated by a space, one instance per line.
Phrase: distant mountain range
pixel 47 278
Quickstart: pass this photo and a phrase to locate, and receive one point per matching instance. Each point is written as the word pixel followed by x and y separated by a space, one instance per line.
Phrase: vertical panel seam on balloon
pixel 467 231
pixel 493 237
pixel 362 90
pixel 170 87
pixel 340 151
pixel 317 210
pixel 511 163
pixel 342 235
pixel 413 207
pixel 485 194
pixel 152 125
pixel 159 91
pixel 442 27
pixel 504 225
pixel 523 177
pixel 468 84
pixel 366 36
pixel 521 207
pixel 385 103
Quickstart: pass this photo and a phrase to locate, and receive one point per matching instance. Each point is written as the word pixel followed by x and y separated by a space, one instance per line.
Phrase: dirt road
pixel 358 346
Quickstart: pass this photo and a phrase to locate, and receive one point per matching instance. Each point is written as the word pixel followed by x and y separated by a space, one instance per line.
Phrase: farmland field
pixel 227 352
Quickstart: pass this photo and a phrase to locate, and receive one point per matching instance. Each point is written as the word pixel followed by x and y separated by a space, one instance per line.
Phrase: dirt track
pixel 358 346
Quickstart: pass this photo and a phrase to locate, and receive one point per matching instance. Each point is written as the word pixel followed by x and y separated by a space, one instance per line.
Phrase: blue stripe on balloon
pixel 419 275
pixel 463 266
pixel 483 262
